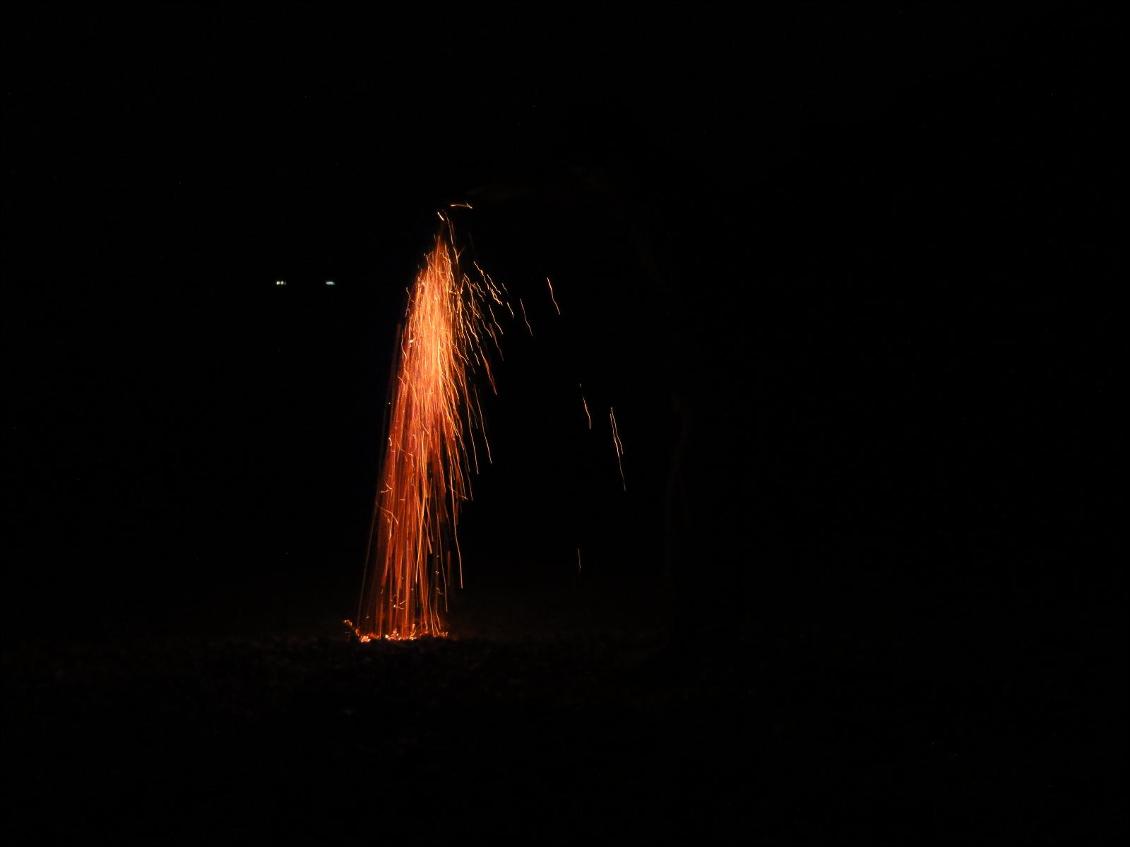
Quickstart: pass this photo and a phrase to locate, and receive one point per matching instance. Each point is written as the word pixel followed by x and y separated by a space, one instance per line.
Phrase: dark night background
pixel 845 277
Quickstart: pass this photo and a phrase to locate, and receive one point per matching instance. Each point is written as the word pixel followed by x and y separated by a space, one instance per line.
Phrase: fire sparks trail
pixel 434 428
pixel 434 416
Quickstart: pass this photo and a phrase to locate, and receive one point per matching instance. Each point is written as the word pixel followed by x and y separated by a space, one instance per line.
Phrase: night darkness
pixel 846 279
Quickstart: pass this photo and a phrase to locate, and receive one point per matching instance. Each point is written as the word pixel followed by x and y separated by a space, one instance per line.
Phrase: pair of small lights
pixel 283 282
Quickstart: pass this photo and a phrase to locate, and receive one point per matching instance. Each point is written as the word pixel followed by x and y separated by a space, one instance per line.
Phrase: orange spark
pixel 588 417
pixel 551 297
pixel 432 426
pixel 618 446
pixel 522 306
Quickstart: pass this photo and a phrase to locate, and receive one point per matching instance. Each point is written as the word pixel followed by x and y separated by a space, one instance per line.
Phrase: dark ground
pixel 616 730
pixel 848 278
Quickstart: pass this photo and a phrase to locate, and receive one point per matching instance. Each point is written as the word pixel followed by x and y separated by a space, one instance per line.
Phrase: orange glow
pixel 434 421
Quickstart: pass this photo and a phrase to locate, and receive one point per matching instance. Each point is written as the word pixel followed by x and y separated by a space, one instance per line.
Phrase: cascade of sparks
pixel 434 420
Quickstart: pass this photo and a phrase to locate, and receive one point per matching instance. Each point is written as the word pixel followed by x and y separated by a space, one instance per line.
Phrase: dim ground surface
pixel 643 734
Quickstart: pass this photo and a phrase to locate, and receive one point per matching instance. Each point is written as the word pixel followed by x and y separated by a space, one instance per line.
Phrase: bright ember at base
pixel 433 418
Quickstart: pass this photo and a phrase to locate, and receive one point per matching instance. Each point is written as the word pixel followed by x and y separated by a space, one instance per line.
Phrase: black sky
pixel 854 262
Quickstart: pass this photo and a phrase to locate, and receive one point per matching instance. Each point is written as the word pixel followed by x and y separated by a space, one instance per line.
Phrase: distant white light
pixel 329 282
pixel 280 282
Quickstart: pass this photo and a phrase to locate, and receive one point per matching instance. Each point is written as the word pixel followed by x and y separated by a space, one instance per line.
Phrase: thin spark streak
pixel 551 297
pixel 618 446
pixel 486 368
pixel 483 425
pixel 585 405
pixel 522 306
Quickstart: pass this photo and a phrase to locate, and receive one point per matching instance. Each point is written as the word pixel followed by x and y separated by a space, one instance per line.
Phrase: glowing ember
pixel 434 415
